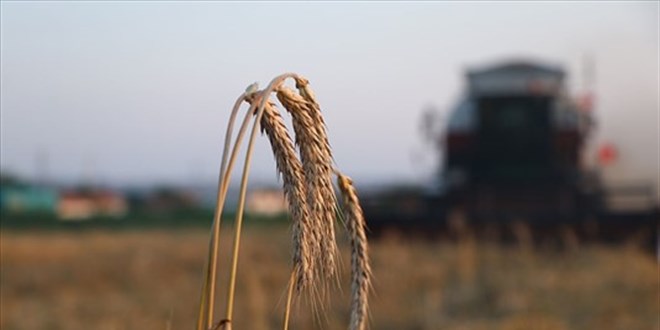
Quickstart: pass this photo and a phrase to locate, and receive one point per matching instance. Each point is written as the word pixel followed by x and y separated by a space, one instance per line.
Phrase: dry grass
pixel 150 280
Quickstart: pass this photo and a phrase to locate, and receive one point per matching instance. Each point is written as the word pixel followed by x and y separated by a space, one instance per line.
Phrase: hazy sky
pixel 141 91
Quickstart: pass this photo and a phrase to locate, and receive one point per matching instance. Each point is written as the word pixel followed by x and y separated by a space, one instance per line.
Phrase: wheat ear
pixel 360 269
pixel 302 84
pixel 317 163
pixel 290 168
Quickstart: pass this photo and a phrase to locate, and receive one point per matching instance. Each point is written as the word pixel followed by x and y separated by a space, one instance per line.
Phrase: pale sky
pixel 140 91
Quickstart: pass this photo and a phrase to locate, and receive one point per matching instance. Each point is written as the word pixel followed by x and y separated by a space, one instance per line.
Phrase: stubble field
pixel 150 279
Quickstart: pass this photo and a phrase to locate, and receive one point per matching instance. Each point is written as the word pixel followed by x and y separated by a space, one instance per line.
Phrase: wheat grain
pixel 360 269
pixel 207 299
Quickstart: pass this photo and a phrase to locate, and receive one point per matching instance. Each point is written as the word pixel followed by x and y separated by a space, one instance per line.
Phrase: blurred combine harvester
pixel 514 149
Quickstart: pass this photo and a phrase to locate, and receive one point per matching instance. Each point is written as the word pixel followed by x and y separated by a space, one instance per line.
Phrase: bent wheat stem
pixel 208 291
pixel 223 186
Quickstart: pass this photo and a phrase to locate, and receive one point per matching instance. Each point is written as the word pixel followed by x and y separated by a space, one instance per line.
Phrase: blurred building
pixel 27 199
pixel 83 205
pixel 266 201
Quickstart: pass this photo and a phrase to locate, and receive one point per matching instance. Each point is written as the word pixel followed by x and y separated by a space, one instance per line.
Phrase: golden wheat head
pixel 317 165
pixel 360 268
pixel 293 181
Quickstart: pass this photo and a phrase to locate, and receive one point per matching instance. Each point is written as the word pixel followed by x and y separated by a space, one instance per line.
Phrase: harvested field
pixel 151 280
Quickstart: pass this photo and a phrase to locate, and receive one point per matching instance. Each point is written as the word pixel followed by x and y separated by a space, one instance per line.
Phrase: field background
pixel 150 279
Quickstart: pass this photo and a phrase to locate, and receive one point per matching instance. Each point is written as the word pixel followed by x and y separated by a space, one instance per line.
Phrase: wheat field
pixel 150 279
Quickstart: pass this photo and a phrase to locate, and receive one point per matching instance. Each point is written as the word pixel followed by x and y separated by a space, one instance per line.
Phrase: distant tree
pixel 11 179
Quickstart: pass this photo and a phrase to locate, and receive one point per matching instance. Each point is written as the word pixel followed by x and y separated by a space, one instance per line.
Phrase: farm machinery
pixel 514 153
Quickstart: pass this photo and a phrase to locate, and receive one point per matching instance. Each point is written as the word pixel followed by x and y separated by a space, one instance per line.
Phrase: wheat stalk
pixel 316 159
pixel 207 300
pixel 360 269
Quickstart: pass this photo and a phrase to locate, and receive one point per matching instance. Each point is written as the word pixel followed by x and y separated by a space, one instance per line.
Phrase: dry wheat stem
pixel 239 219
pixel 317 163
pixel 221 325
pixel 360 269
pixel 225 176
pixel 289 299
pixel 208 292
